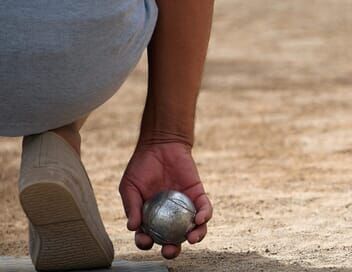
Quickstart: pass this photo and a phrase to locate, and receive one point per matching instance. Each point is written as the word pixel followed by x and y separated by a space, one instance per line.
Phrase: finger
pixel 201 202
pixel 143 241
pixel 171 251
pixel 197 235
pixel 204 209
pixel 132 203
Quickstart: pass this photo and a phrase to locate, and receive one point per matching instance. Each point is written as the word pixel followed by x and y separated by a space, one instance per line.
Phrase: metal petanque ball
pixel 168 217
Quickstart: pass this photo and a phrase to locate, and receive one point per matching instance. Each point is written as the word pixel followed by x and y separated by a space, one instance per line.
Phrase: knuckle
pixel 121 190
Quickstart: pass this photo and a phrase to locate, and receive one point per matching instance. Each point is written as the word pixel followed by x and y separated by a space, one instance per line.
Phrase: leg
pixel 71 133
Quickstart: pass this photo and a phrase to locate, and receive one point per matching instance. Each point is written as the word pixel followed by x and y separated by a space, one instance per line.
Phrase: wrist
pixel 160 136
pixel 161 124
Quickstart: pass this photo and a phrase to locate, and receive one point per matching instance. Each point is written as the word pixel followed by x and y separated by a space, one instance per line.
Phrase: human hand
pixel 159 167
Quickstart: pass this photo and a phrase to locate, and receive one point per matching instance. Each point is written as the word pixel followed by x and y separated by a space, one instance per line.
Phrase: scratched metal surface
pixel 24 264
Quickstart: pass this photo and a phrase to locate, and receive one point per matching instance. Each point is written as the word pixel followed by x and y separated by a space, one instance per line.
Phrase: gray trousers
pixel 61 59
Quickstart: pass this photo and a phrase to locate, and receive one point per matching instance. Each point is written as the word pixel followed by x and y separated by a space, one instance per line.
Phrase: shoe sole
pixel 68 241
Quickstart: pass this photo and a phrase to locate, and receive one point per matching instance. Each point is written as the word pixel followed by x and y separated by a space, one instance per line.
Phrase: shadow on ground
pixel 209 261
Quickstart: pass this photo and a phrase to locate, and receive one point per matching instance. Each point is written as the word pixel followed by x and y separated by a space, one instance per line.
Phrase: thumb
pixel 132 202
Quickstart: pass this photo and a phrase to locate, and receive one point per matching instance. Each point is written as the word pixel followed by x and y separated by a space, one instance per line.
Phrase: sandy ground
pixel 274 144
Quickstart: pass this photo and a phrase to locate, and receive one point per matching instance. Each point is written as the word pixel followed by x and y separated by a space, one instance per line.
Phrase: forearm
pixel 176 58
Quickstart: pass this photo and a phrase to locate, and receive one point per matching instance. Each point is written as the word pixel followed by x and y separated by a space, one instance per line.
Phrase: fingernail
pixel 129 225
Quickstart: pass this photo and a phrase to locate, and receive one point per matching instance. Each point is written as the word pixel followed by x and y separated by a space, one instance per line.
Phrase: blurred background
pixel 273 144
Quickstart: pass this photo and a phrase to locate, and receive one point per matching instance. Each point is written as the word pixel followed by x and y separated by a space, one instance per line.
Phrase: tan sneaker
pixel 66 230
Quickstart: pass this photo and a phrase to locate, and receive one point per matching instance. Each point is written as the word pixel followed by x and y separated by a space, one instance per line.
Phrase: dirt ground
pixel 274 144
